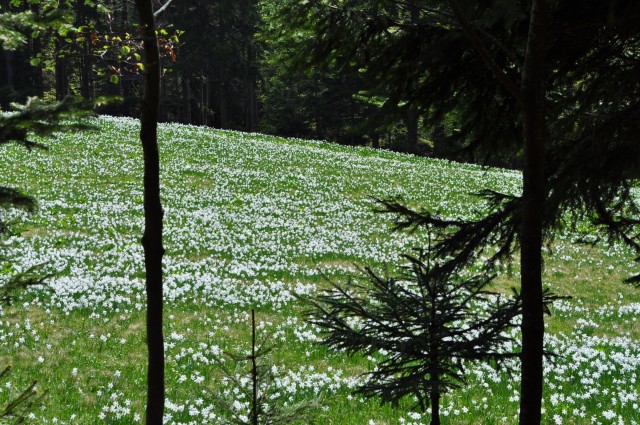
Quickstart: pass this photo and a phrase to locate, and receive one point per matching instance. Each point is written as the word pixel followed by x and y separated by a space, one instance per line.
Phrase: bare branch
pixel 162 9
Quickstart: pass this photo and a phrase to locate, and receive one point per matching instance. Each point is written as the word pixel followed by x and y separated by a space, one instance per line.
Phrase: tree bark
pixel 8 66
pixel 533 198
pixel 223 114
pixel 251 103
pixel 36 49
pixel 412 130
pixel 152 238
pixel 83 15
pixel 435 405
pixel 186 100
pixel 62 77
pixel 207 99
pixel 531 98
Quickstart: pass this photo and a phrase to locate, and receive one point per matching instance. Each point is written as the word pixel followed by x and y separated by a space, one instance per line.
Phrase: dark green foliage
pixel 425 324
pixel 14 198
pixel 44 119
pixel 21 281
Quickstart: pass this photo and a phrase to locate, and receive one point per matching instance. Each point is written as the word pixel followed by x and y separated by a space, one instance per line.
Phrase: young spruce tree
pixel 426 324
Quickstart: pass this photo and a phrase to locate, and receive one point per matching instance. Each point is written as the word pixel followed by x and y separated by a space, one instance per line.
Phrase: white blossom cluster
pixel 252 221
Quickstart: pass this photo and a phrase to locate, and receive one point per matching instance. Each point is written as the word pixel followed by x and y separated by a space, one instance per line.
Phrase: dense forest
pixel 226 64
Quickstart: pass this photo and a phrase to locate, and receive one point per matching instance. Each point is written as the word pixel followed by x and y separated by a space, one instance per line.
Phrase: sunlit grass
pixel 251 221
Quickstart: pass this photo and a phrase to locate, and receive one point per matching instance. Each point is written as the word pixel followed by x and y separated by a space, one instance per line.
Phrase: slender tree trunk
pixel 222 101
pixel 435 407
pixel 203 100
pixel 38 80
pixel 207 99
pixel 87 72
pixel 186 100
pixel 61 68
pixel 533 197
pixel 254 371
pixel 162 114
pixel 8 67
pixel 86 59
pixel 412 130
pixel 152 238
pixel 251 103
pixel 36 49
pixel 531 98
pixel 375 141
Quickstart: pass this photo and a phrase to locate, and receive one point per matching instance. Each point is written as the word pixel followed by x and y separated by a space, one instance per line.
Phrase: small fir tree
pixel 426 324
pixel 268 403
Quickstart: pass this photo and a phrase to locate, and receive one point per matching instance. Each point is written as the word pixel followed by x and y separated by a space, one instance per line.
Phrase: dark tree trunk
pixel 531 98
pixel 38 80
pixel 152 238
pixel 435 407
pixel 87 72
pixel 223 113
pixel 204 106
pixel 533 197
pixel 162 114
pixel 186 100
pixel 251 103
pixel 62 77
pixel 254 371
pixel 375 141
pixel 207 99
pixel 124 15
pixel 83 15
pixel 412 130
pixel 8 69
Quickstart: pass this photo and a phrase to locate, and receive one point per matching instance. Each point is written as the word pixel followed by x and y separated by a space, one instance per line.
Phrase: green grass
pixel 252 220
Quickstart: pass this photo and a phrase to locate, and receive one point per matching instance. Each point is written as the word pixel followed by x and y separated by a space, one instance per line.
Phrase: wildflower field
pixel 251 221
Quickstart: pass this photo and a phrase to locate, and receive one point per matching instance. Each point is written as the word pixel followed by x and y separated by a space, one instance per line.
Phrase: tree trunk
pixel 186 100
pixel 37 80
pixel 8 67
pixel 162 113
pixel 375 141
pixel 222 99
pixel 152 238
pixel 207 99
pixel 412 131
pixel 87 72
pixel 86 58
pixel 251 103
pixel 533 196
pixel 61 67
pixel 435 407
pixel 203 100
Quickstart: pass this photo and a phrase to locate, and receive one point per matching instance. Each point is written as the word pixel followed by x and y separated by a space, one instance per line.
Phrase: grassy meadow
pixel 251 221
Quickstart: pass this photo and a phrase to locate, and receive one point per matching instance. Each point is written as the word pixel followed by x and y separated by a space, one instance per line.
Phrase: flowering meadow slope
pixel 251 221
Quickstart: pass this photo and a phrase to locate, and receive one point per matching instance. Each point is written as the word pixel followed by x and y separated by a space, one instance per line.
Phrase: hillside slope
pixel 252 220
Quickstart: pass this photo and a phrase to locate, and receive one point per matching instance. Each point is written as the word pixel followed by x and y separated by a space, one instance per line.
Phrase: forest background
pixel 227 64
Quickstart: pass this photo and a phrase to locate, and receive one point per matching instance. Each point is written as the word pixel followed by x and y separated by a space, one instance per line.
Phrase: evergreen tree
pixel 549 84
pixel 426 325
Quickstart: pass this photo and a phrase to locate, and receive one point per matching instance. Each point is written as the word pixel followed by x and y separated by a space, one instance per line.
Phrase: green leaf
pixel 125 50
pixel 114 79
